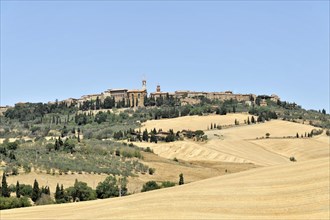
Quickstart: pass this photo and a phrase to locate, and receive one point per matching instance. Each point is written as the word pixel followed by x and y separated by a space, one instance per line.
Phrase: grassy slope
pixel 289 191
pixel 283 190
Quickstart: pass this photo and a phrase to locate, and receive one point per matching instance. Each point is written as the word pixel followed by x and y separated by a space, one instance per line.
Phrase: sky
pixel 60 49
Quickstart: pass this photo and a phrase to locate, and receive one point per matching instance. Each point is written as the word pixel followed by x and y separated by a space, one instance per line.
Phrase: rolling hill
pixel 289 191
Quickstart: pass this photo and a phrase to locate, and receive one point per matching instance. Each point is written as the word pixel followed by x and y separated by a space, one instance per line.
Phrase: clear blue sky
pixel 56 49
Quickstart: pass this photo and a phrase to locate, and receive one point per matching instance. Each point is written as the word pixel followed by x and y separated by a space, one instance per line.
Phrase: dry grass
pixel 280 190
pixel 194 122
pixel 289 191
pixel 239 144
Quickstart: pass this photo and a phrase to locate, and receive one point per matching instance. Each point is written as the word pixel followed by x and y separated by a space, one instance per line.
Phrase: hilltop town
pixel 136 97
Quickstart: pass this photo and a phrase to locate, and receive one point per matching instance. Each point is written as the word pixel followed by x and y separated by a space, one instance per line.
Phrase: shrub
pixel 167 184
pixel 12 202
pixel 293 159
pixel 108 188
pixel 152 171
pixel 149 186
pixel 181 179
pixel 81 192
pixel 25 190
pixel 12 145
pixel 148 150
pixel 45 200
pixel 175 159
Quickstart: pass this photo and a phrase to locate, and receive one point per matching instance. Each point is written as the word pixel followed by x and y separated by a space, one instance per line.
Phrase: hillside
pixel 289 191
pixel 195 122
pixel 218 176
pixel 240 144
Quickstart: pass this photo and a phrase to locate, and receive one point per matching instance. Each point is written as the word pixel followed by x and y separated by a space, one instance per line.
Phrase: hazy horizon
pixel 57 50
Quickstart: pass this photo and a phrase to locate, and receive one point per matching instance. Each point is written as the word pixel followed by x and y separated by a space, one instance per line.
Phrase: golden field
pixel 261 182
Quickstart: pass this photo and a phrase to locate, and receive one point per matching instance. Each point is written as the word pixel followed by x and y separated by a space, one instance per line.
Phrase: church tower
pixel 144 84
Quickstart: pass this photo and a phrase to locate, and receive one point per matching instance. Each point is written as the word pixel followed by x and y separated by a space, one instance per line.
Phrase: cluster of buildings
pixel 135 98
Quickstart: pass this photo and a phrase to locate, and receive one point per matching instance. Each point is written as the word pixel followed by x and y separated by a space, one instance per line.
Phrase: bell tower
pixel 144 84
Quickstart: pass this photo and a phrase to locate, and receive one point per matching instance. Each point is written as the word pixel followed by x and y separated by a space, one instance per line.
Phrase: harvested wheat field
pixel 290 191
pixel 166 170
pixel 239 144
pixel 260 183
pixel 194 122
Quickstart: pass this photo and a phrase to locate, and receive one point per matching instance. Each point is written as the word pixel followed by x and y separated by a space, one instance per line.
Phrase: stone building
pixel 118 94
pixel 136 96
pixel 158 93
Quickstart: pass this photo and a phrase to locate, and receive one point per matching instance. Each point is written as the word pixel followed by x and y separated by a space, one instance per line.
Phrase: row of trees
pixel 80 191
pixel 31 111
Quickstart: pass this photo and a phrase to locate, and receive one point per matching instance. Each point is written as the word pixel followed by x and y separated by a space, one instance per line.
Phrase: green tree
pixel 25 190
pixel 12 145
pixel 4 186
pixel 57 193
pixel 181 179
pixel 18 195
pixel 108 188
pixel 253 121
pixel 153 138
pixel 81 192
pixel 145 136
pixel 36 191
pixel 149 186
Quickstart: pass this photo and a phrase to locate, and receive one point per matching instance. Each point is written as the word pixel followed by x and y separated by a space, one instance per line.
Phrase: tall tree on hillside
pixel 253 121
pixel 18 194
pixel 4 186
pixel 181 180
pixel 145 136
pixel 57 192
pixel 36 191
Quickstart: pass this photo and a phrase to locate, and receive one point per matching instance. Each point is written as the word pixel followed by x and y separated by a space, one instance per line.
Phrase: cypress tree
pixel 253 121
pixel 62 192
pixel 36 191
pixel 57 192
pixel 181 180
pixel 18 193
pixel 4 186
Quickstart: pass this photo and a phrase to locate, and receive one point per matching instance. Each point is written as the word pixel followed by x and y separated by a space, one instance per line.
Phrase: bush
pixel 149 186
pixel 12 145
pixel 152 171
pixel 12 202
pixel 292 159
pixel 25 190
pixel 81 192
pixel 167 184
pixel 45 200
pixel 108 188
